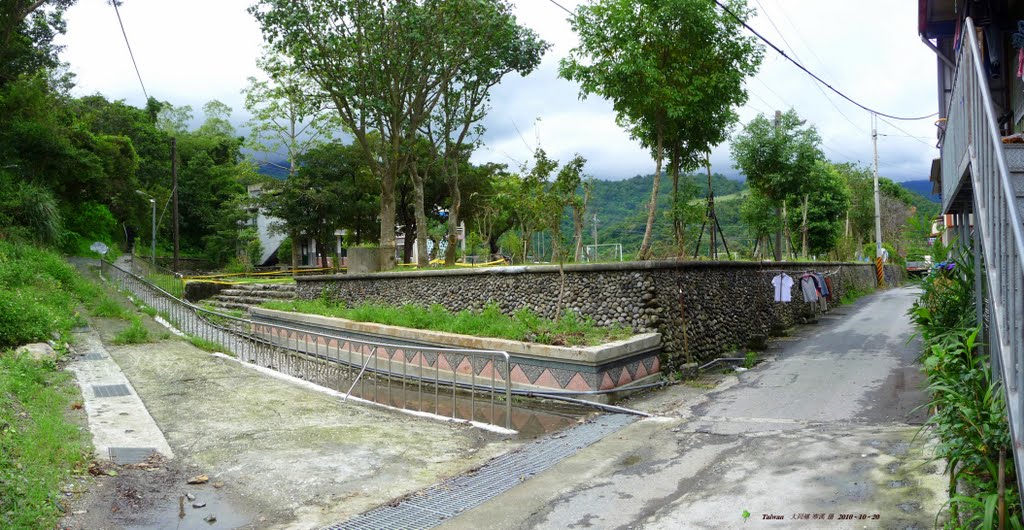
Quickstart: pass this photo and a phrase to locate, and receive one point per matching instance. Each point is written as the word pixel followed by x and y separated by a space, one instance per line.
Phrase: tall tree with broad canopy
pixel 385 64
pixel 495 46
pixel 778 160
pixel 673 70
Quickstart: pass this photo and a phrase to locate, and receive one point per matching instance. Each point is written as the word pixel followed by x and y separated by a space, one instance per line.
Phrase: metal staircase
pixel 978 178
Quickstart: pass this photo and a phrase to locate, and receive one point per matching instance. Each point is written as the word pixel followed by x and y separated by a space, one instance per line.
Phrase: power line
pixel 906 133
pixel 823 93
pixel 561 6
pixel 812 74
pixel 130 54
pixel 797 64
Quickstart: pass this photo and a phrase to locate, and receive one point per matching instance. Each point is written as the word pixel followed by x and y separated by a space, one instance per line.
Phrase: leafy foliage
pixel 673 70
pixel 970 418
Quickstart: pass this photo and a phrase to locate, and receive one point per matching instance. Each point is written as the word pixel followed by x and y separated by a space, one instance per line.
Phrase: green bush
pixel 970 418
pixel 38 294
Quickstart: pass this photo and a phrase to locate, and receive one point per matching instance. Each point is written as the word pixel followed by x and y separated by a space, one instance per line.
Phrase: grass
pixel 524 325
pixel 39 447
pixel 204 344
pixel 109 308
pixel 135 333
pixel 750 360
pixel 151 311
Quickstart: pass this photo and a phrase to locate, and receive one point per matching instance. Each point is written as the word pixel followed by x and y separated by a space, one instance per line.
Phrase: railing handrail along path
pixel 324 356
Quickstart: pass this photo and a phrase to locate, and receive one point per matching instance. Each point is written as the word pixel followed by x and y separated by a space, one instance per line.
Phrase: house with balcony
pixel 980 172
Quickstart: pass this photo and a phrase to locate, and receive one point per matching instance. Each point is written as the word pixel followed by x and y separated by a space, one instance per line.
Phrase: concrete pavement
pixel 822 436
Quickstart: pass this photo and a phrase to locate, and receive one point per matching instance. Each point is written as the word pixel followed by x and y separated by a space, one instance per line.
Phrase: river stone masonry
pixel 701 309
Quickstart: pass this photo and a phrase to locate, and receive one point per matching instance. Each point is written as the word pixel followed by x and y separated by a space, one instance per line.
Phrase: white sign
pixel 99 248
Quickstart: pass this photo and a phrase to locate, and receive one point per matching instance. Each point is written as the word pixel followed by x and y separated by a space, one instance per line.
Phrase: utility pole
pixel 174 195
pixel 595 239
pixel 878 206
pixel 777 251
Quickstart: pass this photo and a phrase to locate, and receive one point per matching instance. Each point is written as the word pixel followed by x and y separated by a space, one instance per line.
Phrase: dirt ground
pixel 276 454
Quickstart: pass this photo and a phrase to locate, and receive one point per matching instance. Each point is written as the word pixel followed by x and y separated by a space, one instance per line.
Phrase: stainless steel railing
pixel 972 148
pixel 471 385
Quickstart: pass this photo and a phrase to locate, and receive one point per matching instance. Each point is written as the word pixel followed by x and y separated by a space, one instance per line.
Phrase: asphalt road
pixel 824 435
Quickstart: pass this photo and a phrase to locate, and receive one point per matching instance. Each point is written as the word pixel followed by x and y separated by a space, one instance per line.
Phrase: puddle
pixel 168 517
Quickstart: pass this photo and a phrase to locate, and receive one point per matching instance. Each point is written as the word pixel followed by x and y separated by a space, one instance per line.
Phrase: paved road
pixel 822 436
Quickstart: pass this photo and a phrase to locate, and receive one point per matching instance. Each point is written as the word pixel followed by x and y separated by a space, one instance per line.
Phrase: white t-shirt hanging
pixel 783 285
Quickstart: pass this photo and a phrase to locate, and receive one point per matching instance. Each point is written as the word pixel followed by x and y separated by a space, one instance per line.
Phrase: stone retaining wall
pixel 720 305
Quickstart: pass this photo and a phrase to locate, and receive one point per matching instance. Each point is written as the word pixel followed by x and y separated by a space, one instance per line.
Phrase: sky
pixel 191 51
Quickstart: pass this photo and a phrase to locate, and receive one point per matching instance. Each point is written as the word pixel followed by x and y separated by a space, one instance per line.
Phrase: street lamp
pixel 152 201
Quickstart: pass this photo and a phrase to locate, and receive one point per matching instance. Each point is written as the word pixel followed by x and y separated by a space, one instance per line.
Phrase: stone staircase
pixel 242 297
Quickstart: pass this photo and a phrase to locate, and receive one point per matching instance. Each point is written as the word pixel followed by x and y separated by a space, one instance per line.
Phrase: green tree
pixel 824 203
pixel 777 158
pixel 288 114
pixel 27 32
pixel 493 45
pixel 673 69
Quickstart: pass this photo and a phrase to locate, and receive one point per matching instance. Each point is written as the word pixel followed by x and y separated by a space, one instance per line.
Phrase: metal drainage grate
pixel 103 391
pixel 129 455
pixel 432 506
pixel 93 357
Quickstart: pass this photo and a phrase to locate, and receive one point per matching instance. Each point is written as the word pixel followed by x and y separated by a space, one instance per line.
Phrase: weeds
pixel 135 333
pixel 204 344
pixel 750 360
pixel 39 448
pixel 109 308
pixel 524 325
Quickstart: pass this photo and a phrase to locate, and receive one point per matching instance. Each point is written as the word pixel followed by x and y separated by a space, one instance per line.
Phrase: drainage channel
pixel 434 505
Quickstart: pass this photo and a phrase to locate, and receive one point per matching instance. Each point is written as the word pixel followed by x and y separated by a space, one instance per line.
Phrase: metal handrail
pixel 972 146
pixel 239 335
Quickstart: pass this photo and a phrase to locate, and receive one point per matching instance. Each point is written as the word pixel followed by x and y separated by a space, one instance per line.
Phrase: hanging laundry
pixel 783 285
pixel 819 279
pixel 828 283
pixel 808 288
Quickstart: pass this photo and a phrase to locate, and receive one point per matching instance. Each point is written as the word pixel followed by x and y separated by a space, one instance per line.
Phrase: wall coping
pixel 590 355
pixel 623 266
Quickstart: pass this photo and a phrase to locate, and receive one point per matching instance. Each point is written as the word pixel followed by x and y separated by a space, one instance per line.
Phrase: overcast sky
pixel 192 51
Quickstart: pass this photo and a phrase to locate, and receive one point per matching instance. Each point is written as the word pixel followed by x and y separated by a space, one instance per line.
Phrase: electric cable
pixel 130 54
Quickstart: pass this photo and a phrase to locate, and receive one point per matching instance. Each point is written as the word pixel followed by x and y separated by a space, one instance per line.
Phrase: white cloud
pixel 192 51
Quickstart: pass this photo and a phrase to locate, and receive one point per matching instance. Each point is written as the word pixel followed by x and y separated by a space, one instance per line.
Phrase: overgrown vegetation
pixel 39 292
pixel 39 448
pixel 970 418
pixel 524 325
pixel 135 333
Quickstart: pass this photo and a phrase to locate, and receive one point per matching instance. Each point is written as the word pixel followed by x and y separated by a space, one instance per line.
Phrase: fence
pixel 464 384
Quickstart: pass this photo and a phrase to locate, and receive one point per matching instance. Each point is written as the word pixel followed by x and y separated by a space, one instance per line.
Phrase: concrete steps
pixel 242 297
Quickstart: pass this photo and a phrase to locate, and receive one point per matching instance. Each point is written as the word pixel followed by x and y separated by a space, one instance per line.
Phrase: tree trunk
pixel 677 225
pixel 453 219
pixel 645 247
pixel 777 251
pixel 387 221
pixel 422 259
pixel 295 250
pixel 577 237
pixel 803 229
